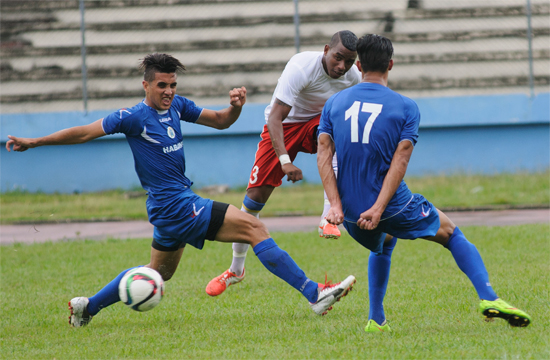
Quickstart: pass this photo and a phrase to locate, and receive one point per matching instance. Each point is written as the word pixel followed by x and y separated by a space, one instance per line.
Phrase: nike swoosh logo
pixel 147 137
pixel 195 212
pixel 334 293
pixel 424 212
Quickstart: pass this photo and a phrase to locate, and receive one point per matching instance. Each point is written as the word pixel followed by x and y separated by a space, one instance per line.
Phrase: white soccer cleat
pixel 328 230
pixel 79 312
pixel 331 293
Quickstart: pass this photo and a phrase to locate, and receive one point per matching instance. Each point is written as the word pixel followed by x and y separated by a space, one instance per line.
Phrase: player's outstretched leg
pixel 83 309
pixel 469 261
pixel 501 309
pixel 320 296
pixel 238 226
pixel 379 275
pixel 235 273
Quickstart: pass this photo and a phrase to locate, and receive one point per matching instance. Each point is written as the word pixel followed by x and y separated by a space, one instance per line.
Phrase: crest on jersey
pixel 171 132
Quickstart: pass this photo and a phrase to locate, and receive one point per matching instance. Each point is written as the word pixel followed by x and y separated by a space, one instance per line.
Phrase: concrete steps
pixel 466 49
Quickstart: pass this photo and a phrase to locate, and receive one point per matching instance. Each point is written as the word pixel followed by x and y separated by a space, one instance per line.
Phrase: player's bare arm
pixel 325 152
pixel 74 135
pixel 279 112
pixel 222 119
pixel 369 219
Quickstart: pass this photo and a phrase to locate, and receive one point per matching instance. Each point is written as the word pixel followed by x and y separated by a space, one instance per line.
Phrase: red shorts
pixel 299 137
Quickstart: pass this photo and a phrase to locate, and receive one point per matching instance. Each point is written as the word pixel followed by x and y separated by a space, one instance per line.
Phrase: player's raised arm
pixel 369 219
pixel 222 119
pixel 325 152
pixel 279 112
pixel 74 135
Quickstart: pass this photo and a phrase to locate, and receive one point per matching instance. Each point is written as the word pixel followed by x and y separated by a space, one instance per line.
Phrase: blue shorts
pixel 417 219
pixel 185 220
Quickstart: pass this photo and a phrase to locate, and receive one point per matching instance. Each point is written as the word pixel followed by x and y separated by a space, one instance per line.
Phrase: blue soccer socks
pixel 106 296
pixel 379 274
pixel 469 261
pixel 465 254
pixel 281 264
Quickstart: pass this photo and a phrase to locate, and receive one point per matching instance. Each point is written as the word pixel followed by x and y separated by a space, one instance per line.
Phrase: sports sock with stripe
pixel 379 275
pixel 469 260
pixel 283 266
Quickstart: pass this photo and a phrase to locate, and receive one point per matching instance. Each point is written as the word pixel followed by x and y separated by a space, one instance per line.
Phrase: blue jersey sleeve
pixel 412 121
pixel 325 124
pixel 187 110
pixel 126 121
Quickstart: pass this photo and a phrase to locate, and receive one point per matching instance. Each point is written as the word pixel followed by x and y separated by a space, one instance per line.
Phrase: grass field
pixel 458 191
pixel 430 303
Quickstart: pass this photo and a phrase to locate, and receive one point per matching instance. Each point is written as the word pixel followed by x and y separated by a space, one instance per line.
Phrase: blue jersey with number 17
pixel 367 122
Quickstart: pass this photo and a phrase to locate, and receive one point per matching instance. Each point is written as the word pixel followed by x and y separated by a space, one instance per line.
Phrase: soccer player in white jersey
pixel 180 217
pixel 373 130
pixel 292 118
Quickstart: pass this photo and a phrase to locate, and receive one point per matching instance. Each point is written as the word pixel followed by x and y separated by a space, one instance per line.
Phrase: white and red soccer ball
pixel 141 288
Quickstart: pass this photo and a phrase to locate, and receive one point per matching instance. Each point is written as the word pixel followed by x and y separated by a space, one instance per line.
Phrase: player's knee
pixel 448 231
pixel 256 231
pixel 444 234
pixel 259 194
pixel 260 230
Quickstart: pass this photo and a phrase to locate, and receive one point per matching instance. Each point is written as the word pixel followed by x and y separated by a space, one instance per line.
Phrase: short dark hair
pixel 375 52
pixel 346 37
pixel 163 63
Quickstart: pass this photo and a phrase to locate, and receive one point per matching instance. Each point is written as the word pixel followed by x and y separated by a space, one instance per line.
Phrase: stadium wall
pixel 475 135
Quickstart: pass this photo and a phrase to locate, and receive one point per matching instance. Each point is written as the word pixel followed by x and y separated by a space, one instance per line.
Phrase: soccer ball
pixel 141 288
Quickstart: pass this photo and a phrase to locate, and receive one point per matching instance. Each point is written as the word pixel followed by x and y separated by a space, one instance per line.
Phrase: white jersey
pixel 306 87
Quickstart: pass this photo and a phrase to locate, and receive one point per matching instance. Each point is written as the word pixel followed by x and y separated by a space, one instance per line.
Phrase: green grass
pixel 531 189
pixel 430 303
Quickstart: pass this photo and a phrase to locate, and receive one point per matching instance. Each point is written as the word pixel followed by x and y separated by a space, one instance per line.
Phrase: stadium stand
pixel 443 48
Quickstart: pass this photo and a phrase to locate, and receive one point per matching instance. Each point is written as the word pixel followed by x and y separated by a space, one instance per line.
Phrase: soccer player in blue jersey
pixel 180 217
pixel 373 131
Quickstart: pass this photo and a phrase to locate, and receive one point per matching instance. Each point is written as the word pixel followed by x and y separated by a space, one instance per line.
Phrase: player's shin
pixel 469 260
pixel 379 275
pixel 283 266
pixel 240 250
pixel 108 295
